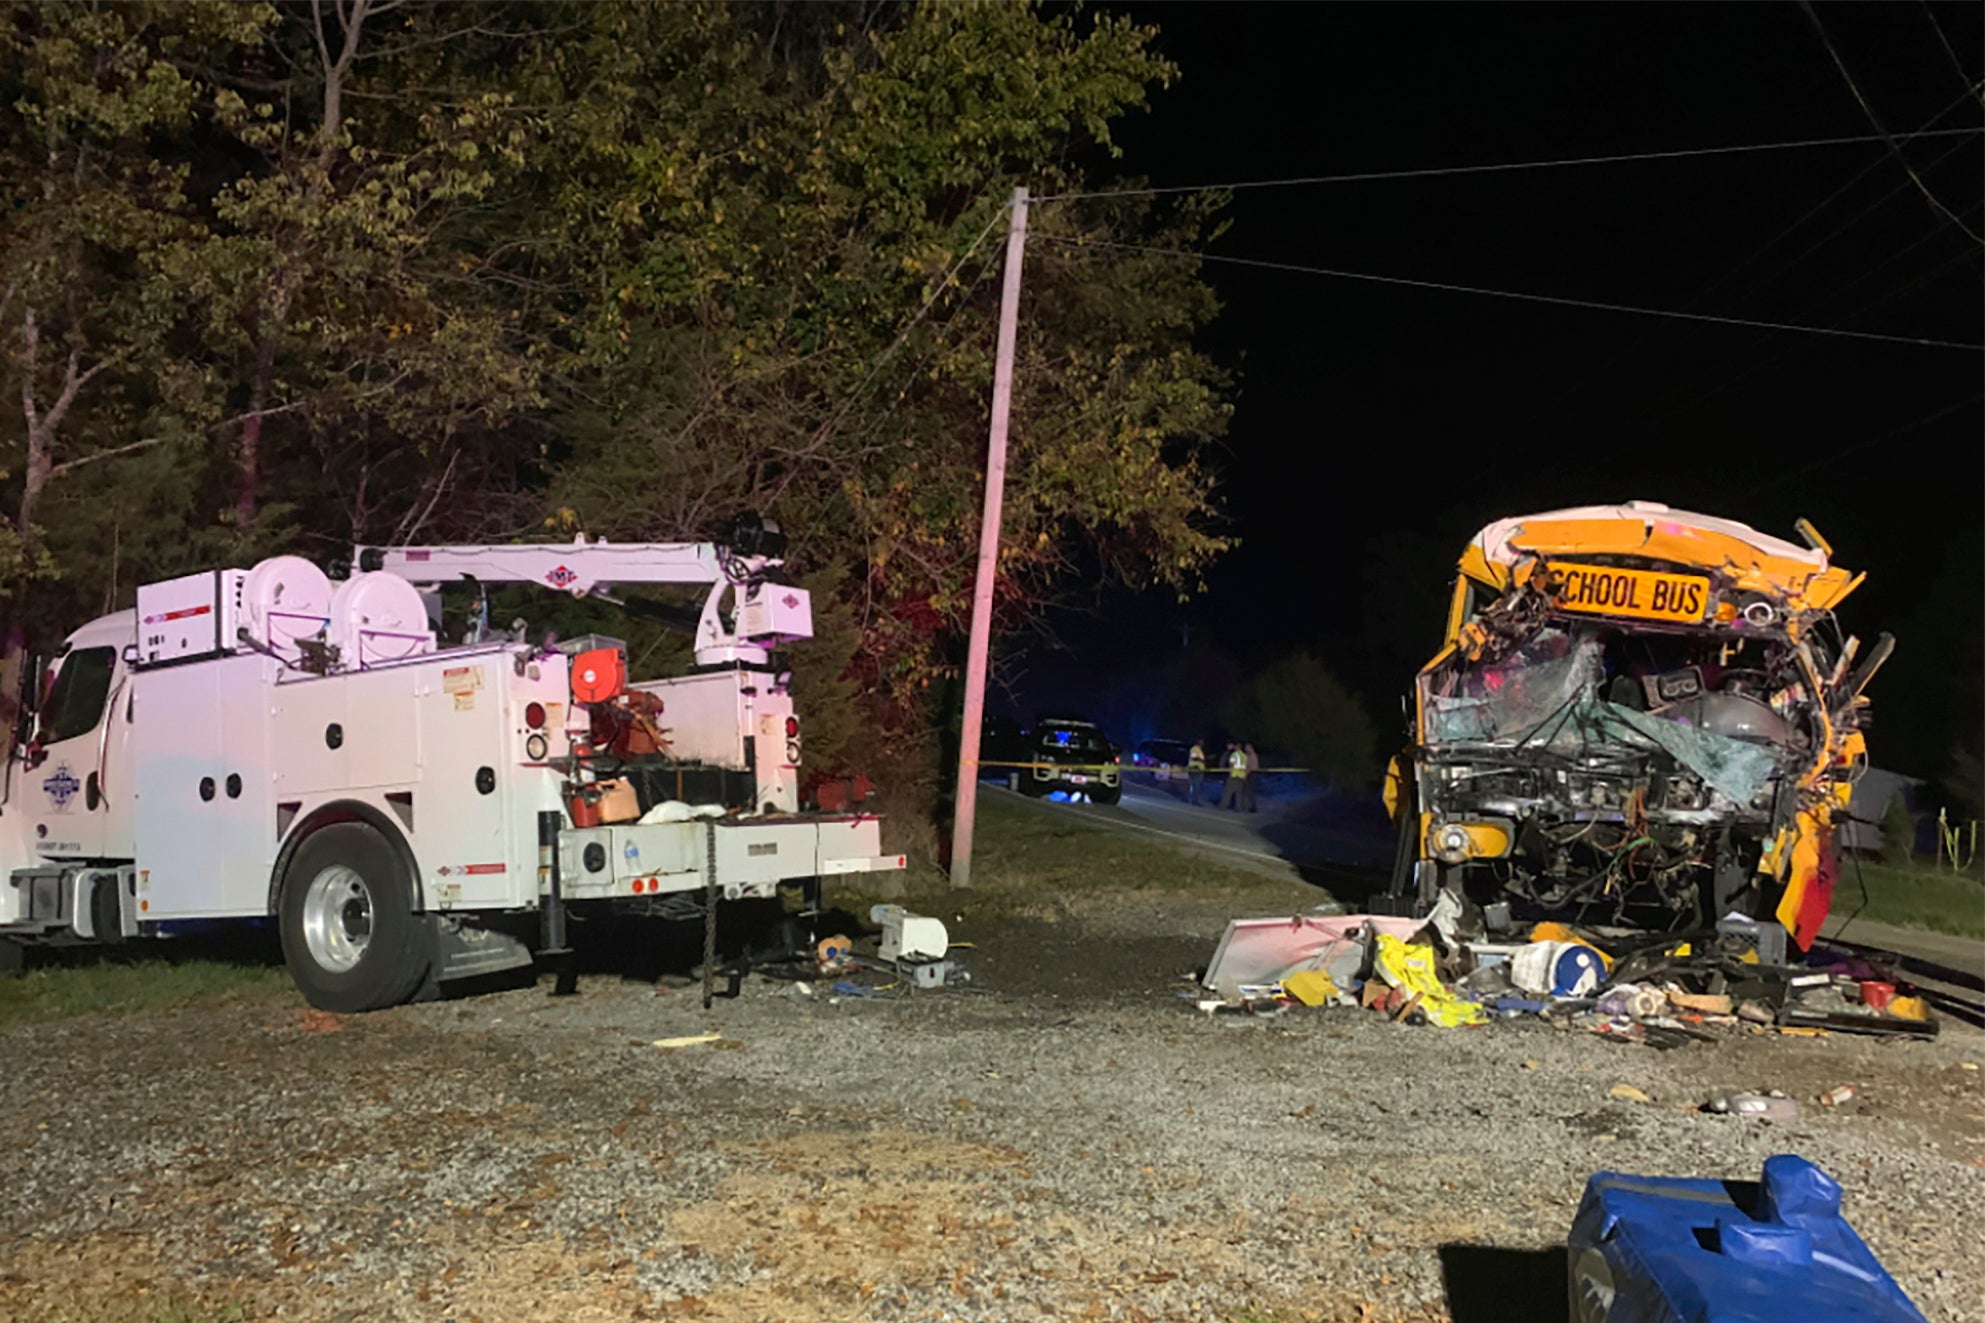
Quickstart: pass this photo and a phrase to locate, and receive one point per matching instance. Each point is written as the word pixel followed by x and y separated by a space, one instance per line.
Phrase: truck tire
pixel 351 938
pixel 1106 794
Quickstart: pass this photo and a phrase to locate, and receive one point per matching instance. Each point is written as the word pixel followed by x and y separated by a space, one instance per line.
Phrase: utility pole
pixel 967 803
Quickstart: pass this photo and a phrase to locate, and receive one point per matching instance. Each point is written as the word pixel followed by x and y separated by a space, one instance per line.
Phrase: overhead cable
pixel 1867 307
pixel 1786 233
pixel 1875 120
pixel 1971 89
pixel 1437 171
pixel 1827 201
pixel 1523 296
pixel 1834 457
pixel 903 336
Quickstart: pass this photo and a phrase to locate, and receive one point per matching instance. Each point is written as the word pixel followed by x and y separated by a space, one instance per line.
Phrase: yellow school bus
pixel 1636 707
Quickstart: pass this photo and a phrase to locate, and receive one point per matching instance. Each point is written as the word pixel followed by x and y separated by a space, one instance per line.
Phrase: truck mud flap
pixel 467 950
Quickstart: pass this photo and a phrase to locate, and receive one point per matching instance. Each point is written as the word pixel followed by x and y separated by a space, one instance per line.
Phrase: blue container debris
pixel 1662 1249
pixel 1576 972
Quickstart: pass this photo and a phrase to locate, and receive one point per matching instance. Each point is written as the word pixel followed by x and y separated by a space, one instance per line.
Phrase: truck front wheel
pixel 351 938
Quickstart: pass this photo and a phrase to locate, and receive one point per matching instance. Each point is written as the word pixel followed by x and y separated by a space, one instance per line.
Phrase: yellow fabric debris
pixel 1412 968
pixel 1311 987
pixel 1909 1008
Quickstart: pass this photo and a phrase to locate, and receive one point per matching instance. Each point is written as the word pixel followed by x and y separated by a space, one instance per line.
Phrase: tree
pixel 86 210
pixel 1298 709
pixel 798 310
pixel 205 249
pixel 356 270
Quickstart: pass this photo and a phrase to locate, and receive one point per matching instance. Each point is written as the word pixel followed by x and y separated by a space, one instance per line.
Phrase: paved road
pixel 1301 840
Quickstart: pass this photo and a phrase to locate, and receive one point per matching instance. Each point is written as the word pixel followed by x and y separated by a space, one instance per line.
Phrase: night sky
pixel 1377 427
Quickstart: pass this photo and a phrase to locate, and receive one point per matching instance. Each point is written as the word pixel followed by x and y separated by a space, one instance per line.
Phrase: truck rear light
pixel 792 728
pixel 534 715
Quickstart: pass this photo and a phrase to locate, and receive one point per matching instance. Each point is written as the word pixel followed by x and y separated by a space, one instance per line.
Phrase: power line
pixel 1781 271
pixel 1553 299
pixel 1875 120
pixel 1836 291
pixel 1945 42
pixel 1833 293
pixel 1831 198
pixel 1857 218
pixel 903 336
pixel 1746 374
pixel 1438 171
pixel 943 333
pixel 1859 446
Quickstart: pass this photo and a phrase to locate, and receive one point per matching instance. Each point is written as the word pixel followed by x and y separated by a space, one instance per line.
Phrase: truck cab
pixel 78 748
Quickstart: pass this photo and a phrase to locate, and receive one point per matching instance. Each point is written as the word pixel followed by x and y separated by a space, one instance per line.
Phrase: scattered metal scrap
pixel 1665 992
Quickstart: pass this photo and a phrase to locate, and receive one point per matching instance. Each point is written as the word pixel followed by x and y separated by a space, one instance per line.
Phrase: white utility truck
pixel 272 744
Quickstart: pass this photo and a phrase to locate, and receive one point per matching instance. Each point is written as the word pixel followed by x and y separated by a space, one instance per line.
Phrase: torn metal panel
pixel 1259 952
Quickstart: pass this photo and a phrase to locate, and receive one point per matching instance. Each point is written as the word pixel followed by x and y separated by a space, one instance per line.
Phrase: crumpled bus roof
pixel 1803 576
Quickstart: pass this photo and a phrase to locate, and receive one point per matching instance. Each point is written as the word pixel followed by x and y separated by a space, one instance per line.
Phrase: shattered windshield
pixel 1513 698
pixel 1545 694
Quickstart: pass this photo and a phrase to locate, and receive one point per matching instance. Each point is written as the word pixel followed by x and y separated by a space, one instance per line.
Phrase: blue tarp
pixel 1660 1249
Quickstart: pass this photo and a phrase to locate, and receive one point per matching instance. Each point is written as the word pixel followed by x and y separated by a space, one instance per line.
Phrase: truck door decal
pixel 62 787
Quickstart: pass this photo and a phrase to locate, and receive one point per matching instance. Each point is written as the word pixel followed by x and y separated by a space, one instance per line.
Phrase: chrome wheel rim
pixel 337 918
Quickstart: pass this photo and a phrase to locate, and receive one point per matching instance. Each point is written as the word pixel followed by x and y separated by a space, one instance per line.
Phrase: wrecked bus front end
pixel 1637 709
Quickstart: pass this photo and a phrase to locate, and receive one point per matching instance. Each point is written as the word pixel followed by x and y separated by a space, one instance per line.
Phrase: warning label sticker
pixel 461 680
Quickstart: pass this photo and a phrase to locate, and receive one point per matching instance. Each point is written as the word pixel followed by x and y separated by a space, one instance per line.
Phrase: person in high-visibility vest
pixel 1237 777
pixel 1252 761
pixel 1195 771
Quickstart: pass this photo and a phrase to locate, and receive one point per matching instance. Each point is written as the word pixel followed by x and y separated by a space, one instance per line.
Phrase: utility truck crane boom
pixel 764 613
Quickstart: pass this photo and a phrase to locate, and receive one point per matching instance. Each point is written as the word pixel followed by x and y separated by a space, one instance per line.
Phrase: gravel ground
pixel 1064 1139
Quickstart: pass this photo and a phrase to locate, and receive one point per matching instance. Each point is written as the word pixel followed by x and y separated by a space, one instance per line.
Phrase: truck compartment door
pixel 206 831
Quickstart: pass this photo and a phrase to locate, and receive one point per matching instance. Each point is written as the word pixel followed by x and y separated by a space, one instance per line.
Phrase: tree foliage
pixel 1297 709
pixel 293 276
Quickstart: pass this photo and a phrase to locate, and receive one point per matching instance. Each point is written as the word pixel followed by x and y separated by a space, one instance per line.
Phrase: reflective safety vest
pixel 1237 763
pixel 1196 760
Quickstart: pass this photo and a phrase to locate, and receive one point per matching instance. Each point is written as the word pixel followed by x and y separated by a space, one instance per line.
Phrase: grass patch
pixel 63 984
pixel 1910 896
pixel 1031 845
